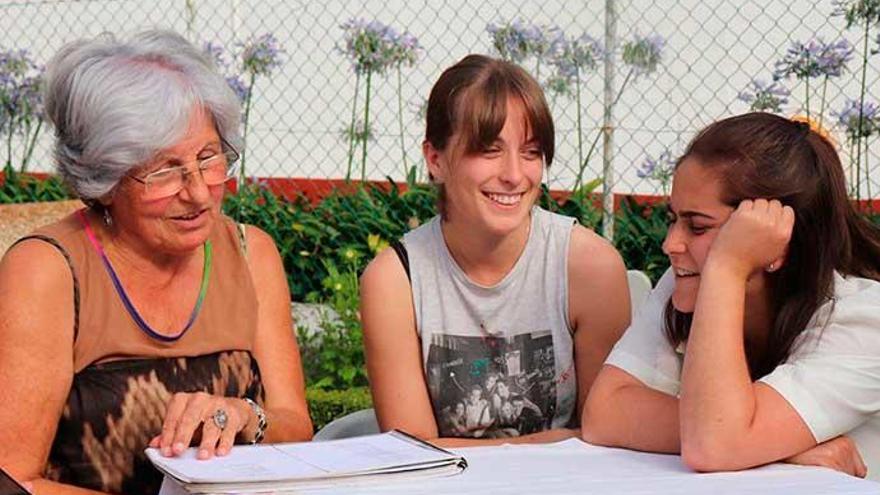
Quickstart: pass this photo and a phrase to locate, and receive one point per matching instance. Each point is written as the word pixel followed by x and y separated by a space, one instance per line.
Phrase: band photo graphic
pixel 492 387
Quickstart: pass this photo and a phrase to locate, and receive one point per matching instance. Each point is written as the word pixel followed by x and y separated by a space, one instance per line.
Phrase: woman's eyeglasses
pixel 215 170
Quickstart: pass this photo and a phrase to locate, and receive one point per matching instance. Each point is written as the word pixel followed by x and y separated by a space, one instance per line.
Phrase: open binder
pixel 291 466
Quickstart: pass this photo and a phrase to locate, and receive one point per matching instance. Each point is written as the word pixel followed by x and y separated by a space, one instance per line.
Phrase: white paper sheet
pixel 299 460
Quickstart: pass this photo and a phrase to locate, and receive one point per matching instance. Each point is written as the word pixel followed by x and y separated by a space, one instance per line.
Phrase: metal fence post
pixel 608 178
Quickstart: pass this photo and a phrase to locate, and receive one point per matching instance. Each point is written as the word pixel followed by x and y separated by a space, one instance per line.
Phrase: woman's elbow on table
pixel 597 424
pixel 710 456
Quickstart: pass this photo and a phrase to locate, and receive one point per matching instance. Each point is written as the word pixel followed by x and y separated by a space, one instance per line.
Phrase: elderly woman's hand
pixel 220 419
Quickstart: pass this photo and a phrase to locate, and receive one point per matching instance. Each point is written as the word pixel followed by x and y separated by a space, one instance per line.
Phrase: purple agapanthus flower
pixel 226 66
pixel 660 168
pixel 21 79
pixel 813 59
pixel 372 46
pixel 510 40
pixel 16 63
pixel 216 53
pixel 763 96
pixel 578 55
pixel 857 11
pixel 261 55
pixel 407 49
pixel 516 41
pixel 643 53
pixel 835 56
pixel 856 123
pixel 573 58
pixel 238 87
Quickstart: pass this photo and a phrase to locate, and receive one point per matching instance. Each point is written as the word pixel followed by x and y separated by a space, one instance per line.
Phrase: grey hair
pixel 116 104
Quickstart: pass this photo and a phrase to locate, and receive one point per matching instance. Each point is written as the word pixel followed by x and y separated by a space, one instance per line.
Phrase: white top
pixel 831 378
pixel 498 360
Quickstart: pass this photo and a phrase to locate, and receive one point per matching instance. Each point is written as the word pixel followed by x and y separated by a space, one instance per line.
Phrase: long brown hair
pixel 471 98
pixel 761 155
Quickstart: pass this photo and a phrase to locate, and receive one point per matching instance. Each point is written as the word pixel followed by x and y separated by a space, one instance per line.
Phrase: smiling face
pixel 476 395
pixel 697 213
pixel 180 223
pixel 491 190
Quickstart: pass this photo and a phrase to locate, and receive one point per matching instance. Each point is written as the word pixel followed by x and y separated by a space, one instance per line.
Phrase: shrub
pixel 19 187
pixel 639 234
pixel 345 229
pixel 334 357
pixel 327 405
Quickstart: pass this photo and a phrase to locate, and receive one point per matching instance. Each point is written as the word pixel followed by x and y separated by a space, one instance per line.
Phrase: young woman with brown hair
pixel 762 342
pixel 494 288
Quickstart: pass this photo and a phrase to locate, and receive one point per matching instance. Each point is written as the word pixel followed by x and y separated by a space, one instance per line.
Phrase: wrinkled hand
pixel 755 236
pixel 188 412
pixel 839 453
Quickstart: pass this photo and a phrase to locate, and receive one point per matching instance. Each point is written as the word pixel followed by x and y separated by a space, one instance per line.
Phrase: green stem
pixel 822 103
pixel 25 137
pixel 190 18
pixel 30 147
pixel 9 143
pixel 807 95
pixel 862 106
pixel 352 132
pixel 852 182
pixel 858 183
pixel 366 127
pixel 247 114
pixel 538 69
pixel 580 129
pixel 586 160
pixel 400 120
pixel 867 173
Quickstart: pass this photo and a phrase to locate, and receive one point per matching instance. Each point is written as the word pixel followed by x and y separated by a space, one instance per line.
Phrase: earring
pixel 771 267
pixel 108 220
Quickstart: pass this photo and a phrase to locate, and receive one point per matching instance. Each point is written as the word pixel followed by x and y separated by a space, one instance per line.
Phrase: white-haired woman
pixel 135 321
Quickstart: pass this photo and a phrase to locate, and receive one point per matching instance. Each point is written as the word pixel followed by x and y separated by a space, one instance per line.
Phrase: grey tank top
pixel 498 360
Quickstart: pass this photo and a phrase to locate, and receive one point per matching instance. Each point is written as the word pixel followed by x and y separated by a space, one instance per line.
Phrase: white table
pixel 575 467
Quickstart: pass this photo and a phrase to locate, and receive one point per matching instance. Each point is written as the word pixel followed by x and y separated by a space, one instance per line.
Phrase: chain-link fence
pixel 300 117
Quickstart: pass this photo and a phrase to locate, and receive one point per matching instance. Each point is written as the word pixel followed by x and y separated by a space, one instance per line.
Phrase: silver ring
pixel 220 419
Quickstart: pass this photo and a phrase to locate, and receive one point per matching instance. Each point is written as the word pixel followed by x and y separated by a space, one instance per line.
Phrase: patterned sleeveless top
pixel 123 378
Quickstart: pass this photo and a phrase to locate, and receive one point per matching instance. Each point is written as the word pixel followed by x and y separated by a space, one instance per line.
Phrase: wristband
pixel 262 422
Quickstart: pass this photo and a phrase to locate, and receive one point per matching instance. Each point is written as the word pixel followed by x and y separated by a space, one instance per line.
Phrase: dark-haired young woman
pixel 762 342
pixel 493 290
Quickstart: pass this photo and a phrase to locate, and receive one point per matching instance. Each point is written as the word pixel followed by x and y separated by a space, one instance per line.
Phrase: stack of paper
pixel 266 468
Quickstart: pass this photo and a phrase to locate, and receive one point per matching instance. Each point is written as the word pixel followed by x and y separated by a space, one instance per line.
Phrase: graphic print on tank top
pixel 492 387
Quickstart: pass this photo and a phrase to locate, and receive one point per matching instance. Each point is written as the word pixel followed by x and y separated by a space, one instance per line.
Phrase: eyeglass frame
pixel 230 164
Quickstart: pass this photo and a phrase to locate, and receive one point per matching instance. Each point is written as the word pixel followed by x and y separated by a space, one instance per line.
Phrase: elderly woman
pixel 136 321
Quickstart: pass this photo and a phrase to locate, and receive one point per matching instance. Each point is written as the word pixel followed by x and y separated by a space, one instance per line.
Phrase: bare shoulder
pixel 36 293
pixel 383 281
pixel 385 271
pixel 590 255
pixel 34 267
pixel 263 257
pixel 260 244
pixel 597 286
